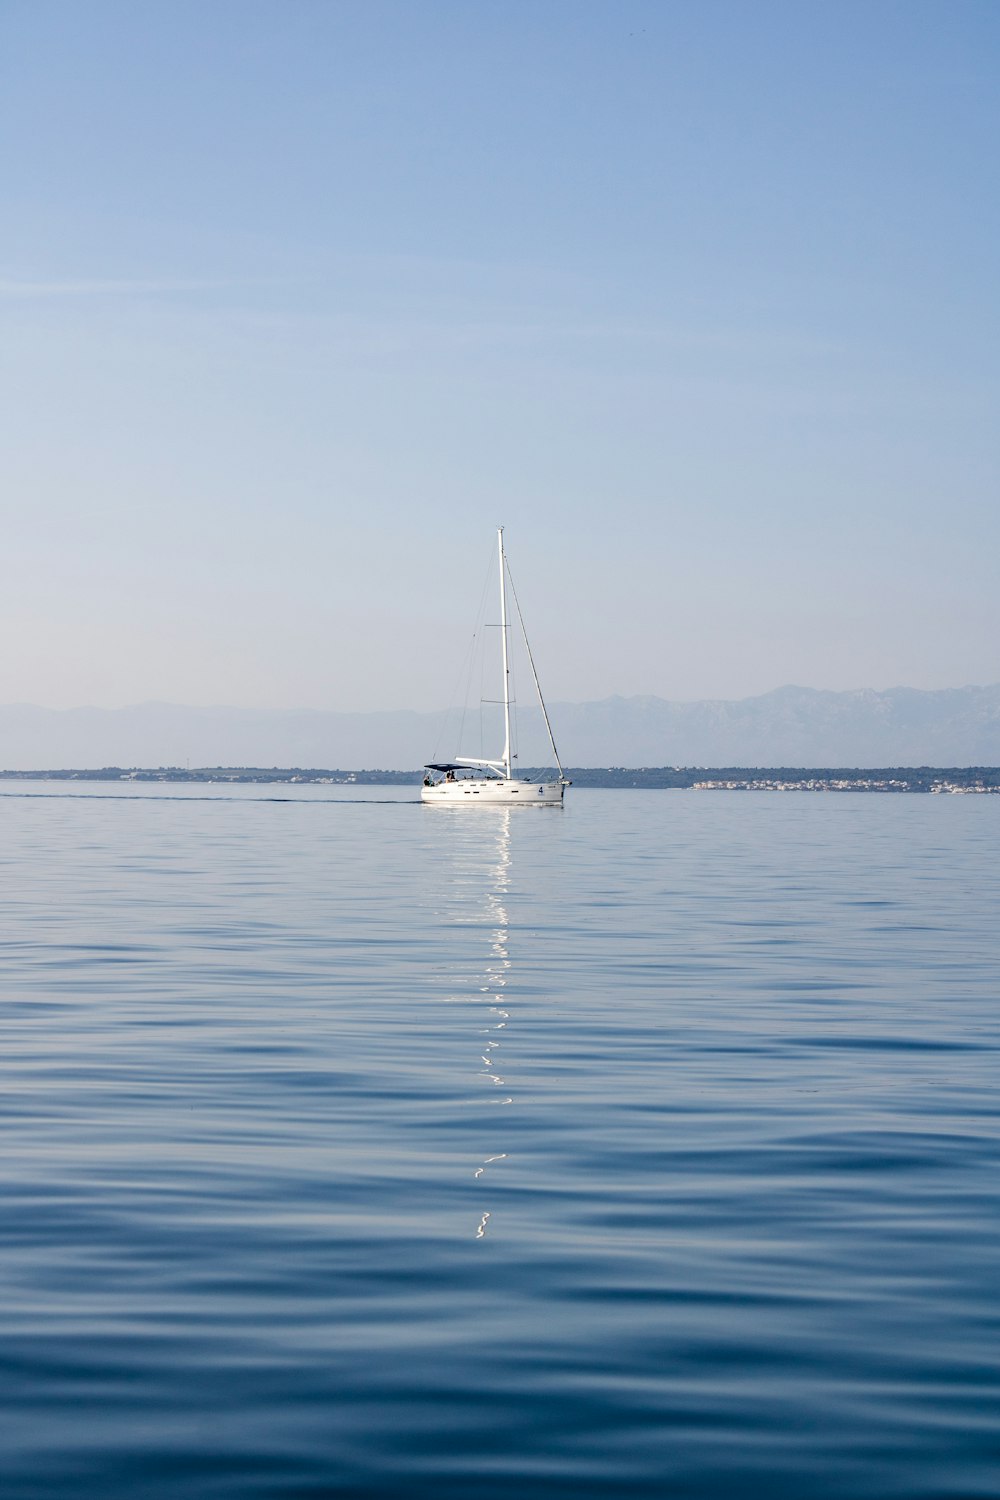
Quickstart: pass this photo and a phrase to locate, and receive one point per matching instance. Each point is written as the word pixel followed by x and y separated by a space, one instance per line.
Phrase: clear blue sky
pixel 300 299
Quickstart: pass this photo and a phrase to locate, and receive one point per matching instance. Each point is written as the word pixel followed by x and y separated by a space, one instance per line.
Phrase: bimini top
pixel 460 765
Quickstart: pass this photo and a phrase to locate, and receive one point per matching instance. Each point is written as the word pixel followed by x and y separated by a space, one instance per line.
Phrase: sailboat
pixel 470 782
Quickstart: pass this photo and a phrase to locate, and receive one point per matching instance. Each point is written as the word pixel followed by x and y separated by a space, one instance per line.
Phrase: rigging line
pixel 465 674
pixel 468 684
pixel 481 746
pixel 531 663
pixel 512 685
pixel 480 627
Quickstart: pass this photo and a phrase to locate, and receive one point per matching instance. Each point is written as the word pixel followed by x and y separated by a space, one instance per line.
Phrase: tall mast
pixel 506 668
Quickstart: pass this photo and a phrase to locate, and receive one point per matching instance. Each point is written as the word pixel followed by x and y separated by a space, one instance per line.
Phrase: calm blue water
pixel 355 1148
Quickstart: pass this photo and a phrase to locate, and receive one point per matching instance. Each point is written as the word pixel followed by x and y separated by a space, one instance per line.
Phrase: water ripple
pixel 650 1149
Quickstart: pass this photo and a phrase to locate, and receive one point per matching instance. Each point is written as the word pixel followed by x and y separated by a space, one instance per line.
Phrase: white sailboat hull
pixel 472 792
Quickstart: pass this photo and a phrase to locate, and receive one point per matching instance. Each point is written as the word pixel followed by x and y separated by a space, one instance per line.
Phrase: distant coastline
pixel 924 779
pixel 790 727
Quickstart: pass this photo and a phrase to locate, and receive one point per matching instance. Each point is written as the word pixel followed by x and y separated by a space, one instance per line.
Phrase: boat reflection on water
pixel 497 975
pixel 472 898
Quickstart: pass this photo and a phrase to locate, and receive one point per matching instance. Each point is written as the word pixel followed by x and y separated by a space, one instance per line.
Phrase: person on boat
pixel 449 776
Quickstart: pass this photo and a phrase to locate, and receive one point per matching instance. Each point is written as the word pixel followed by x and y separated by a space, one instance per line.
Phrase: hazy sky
pixel 300 298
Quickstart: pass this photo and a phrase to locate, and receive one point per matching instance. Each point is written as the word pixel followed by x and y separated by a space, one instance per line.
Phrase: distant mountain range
pixel 791 726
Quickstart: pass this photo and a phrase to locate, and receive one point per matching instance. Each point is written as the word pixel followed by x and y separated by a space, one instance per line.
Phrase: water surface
pixel 357 1148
